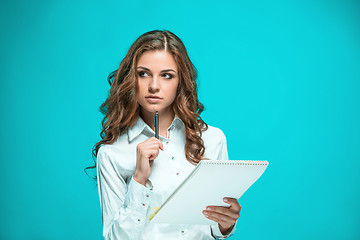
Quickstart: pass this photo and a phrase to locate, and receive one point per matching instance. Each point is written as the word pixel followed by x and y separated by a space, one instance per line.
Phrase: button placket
pixel 146 199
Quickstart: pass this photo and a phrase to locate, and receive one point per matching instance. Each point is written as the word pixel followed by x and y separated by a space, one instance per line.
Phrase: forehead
pixel 157 60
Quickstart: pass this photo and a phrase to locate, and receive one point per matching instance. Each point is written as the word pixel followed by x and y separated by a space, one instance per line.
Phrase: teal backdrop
pixel 280 78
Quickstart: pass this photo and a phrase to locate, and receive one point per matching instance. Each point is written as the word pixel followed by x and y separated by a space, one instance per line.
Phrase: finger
pixel 225 211
pixel 234 204
pixel 151 154
pixel 152 140
pixel 155 147
pixel 219 218
pixel 158 142
pixel 161 145
pixel 153 144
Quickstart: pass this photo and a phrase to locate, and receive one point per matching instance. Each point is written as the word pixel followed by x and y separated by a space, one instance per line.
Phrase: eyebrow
pixel 165 70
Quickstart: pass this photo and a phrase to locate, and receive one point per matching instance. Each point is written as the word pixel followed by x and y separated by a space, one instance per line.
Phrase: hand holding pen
pixel 146 152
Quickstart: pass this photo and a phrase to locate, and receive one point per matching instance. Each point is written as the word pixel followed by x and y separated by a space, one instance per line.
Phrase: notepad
pixel 206 185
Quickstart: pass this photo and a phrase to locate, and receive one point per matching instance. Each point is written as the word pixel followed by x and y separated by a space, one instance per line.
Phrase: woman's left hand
pixel 224 216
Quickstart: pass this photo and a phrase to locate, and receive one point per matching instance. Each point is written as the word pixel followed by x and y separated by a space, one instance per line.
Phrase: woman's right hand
pixel 146 152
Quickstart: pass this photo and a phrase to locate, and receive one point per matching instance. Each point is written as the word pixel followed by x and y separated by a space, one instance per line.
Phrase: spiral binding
pixel 237 162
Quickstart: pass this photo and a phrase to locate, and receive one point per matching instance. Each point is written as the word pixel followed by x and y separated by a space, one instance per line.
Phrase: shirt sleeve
pixel 216 233
pixel 223 152
pixel 223 155
pixel 123 206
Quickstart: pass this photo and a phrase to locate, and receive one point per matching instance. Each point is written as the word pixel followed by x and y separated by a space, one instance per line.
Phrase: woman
pixel 136 171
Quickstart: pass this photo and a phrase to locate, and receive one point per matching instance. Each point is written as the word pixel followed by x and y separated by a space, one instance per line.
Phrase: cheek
pixel 172 89
pixel 141 88
pixel 140 92
pixel 174 86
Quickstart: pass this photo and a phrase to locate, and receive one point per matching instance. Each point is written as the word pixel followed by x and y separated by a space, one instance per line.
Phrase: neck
pixel 165 119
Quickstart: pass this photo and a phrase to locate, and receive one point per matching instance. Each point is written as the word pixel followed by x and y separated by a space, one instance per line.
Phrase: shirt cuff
pixel 137 197
pixel 216 233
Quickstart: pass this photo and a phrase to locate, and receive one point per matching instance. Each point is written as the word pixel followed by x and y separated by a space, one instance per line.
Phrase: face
pixel 157 77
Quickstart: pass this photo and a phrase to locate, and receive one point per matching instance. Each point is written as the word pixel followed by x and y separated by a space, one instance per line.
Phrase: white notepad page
pixel 208 184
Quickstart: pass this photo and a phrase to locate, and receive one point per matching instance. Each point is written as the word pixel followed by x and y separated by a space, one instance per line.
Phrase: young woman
pixel 136 172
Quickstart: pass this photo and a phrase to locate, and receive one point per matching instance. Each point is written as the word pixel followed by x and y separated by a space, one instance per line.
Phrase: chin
pixel 151 108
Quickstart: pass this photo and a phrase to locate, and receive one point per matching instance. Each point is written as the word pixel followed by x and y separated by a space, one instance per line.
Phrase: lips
pixel 153 96
pixel 153 99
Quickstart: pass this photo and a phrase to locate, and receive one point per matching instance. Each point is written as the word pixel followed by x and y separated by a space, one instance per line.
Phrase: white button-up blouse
pixel 125 204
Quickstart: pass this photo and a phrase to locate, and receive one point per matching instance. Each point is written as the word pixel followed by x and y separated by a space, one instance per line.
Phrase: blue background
pixel 280 78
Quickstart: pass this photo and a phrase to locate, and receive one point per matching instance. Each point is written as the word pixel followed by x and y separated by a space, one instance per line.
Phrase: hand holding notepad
pixel 206 185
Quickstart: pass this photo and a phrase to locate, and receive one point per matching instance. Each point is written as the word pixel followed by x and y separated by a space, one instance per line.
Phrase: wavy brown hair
pixel 121 108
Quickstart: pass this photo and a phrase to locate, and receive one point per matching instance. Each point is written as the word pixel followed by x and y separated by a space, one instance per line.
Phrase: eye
pixel 168 75
pixel 142 74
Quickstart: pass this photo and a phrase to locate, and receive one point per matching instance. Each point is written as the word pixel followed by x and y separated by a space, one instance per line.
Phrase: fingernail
pixel 208 208
pixel 225 199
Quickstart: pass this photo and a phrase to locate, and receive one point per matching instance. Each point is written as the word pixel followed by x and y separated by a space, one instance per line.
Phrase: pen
pixel 156 124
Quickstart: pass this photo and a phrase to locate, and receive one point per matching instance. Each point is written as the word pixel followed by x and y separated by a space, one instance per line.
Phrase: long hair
pixel 121 108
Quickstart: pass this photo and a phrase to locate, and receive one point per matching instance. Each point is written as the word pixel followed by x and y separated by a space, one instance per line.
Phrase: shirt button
pixel 147 195
pixel 177 173
pixel 143 204
pixel 139 220
pixel 167 142
pixel 172 158
pixel 182 232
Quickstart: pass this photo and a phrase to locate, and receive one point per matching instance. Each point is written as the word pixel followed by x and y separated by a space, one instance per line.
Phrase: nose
pixel 154 85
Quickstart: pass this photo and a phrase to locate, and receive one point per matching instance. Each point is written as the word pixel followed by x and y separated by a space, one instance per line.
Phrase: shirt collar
pixel 140 126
